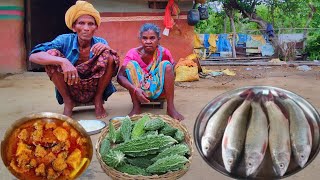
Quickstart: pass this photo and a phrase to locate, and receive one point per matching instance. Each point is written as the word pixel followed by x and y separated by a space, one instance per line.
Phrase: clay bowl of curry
pixel 46 146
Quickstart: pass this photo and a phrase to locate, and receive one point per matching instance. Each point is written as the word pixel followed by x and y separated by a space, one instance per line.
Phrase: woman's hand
pixel 70 73
pixel 98 48
pixel 141 95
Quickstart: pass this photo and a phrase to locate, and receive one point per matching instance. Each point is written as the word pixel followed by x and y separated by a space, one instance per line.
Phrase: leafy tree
pixel 285 16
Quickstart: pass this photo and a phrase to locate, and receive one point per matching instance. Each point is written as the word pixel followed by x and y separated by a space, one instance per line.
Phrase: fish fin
pixel 264 147
pixel 229 119
pixel 225 142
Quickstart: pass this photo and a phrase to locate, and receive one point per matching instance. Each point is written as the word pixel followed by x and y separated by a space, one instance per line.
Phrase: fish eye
pixel 281 165
pixel 302 156
pixel 206 148
pixel 230 161
pixel 250 164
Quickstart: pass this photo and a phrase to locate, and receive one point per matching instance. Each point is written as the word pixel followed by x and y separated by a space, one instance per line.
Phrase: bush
pixel 313 46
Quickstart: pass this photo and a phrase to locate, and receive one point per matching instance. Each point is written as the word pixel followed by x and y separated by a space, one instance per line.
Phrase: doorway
pixel 44 22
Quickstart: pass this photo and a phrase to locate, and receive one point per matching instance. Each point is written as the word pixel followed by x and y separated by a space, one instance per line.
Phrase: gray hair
pixel 147 27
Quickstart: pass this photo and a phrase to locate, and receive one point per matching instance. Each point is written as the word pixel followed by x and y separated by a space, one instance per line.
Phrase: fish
pixel 300 131
pixel 217 123
pixel 256 138
pixel 279 138
pixel 234 135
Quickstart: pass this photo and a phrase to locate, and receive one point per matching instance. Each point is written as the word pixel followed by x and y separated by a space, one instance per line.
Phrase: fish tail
pixel 270 97
pixel 257 97
pixel 246 93
pixel 281 94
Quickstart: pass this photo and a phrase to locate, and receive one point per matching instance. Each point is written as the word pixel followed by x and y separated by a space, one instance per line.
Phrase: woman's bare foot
pixel 174 114
pixel 99 109
pixel 68 107
pixel 135 110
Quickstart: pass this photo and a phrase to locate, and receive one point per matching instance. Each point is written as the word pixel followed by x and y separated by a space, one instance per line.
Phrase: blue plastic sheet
pixel 206 40
pixel 242 39
pixel 267 50
pixel 223 43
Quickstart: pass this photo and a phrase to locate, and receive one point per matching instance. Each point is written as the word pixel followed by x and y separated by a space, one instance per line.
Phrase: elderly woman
pixel 79 64
pixel 147 72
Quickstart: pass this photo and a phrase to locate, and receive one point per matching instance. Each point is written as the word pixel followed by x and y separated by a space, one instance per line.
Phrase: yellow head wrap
pixel 79 9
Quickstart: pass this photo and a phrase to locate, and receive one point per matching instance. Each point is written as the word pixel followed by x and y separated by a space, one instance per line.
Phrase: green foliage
pixel 286 16
pixel 213 25
pixel 313 46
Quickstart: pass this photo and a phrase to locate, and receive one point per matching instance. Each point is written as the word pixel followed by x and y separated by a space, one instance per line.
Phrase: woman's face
pixel 149 41
pixel 85 26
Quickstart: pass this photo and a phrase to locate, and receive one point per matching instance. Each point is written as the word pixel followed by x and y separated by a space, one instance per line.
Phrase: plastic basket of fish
pixel 258 132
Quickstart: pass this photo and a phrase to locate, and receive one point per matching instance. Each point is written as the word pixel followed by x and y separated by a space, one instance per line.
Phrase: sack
pixel 193 16
pixel 203 12
pixel 186 73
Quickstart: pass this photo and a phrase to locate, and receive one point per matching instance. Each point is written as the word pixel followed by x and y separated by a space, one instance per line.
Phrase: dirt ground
pixel 23 94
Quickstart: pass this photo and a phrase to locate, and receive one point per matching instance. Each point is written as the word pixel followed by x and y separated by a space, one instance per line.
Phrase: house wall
pixel 12 45
pixel 122 30
pixel 121 21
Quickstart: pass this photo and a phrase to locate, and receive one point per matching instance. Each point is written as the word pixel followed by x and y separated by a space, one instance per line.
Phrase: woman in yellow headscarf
pixel 79 64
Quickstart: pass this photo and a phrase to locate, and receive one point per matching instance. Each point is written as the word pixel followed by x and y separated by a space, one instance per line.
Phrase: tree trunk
pixel 225 24
pixel 279 50
pixel 234 35
pixel 253 17
pixel 230 13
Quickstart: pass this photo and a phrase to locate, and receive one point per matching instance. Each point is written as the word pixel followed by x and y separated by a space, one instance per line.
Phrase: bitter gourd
pixel 138 128
pixel 154 124
pixel 119 138
pixel 169 163
pixel 142 162
pixel 179 135
pixel 150 133
pixel 132 170
pixel 112 133
pixel 113 158
pixel 125 129
pixel 105 146
pixel 145 145
pixel 168 130
pixel 178 149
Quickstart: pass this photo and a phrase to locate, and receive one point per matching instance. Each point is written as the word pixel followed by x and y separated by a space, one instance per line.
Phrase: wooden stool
pixel 156 103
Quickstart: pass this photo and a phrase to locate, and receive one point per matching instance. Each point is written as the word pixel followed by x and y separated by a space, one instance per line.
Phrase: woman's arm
pixel 123 81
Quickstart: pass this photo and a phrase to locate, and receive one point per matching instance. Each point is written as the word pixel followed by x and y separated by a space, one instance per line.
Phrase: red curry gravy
pixel 46 149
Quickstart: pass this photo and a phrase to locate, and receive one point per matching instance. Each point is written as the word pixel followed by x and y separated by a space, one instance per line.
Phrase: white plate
pixel 92 126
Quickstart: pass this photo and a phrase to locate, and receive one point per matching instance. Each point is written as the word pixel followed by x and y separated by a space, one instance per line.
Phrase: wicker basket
pixel 114 174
